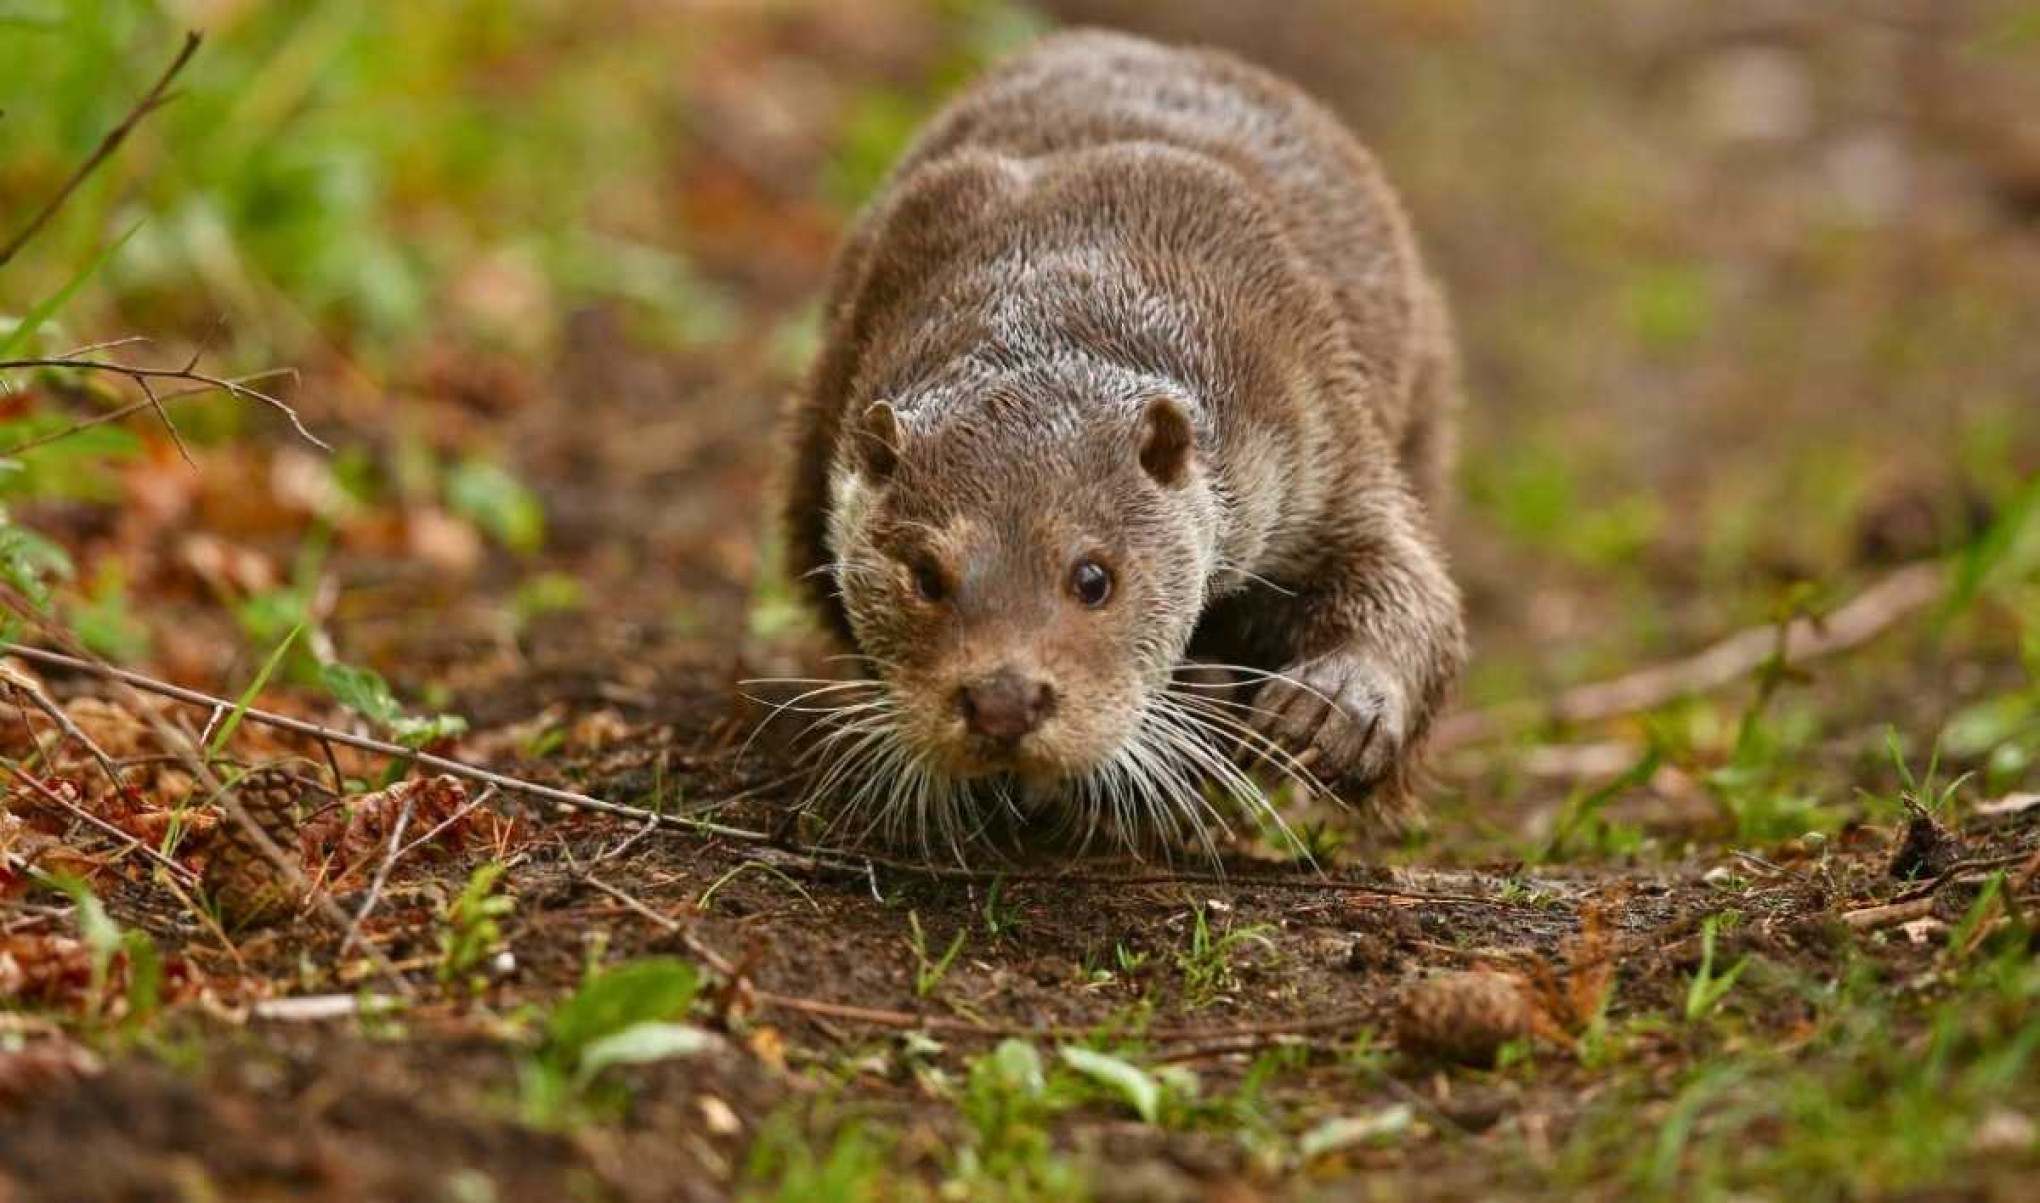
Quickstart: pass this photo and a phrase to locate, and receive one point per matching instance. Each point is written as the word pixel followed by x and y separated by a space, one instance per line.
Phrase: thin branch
pixel 163 415
pixel 22 684
pixel 1855 623
pixel 856 862
pixel 151 100
pixel 1889 914
pixel 130 842
pixel 1958 870
pixel 195 762
pixel 144 377
pixel 381 747
pixel 129 340
pixel 382 873
pixel 468 808
pixel 842 860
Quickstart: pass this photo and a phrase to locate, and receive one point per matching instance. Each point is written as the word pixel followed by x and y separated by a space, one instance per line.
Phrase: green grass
pixel 510 163
pixel 1207 961
pixel 784 1166
pixel 930 967
pixel 1887 1095
pixel 629 1014
pixel 308 179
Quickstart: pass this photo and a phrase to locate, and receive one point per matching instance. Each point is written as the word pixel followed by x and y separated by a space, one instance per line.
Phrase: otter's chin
pixel 1034 764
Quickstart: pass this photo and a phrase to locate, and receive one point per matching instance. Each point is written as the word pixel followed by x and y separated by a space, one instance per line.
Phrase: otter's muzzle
pixel 1005 707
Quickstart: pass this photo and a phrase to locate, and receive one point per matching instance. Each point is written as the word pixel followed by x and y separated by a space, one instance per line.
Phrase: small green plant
pixel 30 565
pixel 1206 963
pixel 287 615
pixel 1706 989
pixel 1246 1113
pixel 1600 1043
pixel 1002 916
pixel 1341 1132
pixel 487 495
pixel 1582 829
pixel 622 1016
pixel 363 691
pixel 1922 794
pixel 1977 921
pixel 469 932
pixel 1518 892
pixel 104 619
pixel 784 1167
pixel 1761 789
pixel 2006 552
pixel 1160 1097
pixel 108 944
pixel 1319 842
pixel 256 684
pixel 546 593
pixel 2002 731
pixel 1885 1101
pixel 930 970
pixel 1008 1099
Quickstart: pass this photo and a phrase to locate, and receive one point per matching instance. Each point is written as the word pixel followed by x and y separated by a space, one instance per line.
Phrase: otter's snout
pixel 1005 706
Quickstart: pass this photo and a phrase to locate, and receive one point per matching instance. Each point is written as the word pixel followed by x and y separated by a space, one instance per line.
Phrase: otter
pixel 1130 366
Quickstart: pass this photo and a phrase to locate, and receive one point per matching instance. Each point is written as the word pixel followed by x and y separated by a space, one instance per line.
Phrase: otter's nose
pixel 1005 706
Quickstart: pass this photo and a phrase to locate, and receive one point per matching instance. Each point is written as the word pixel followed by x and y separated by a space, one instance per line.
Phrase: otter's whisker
pixel 865 742
pixel 792 703
pixel 1266 751
pixel 1244 788
pixel 1224 566
pixel 1256 676
pixel 1163 781
pixel 1190 752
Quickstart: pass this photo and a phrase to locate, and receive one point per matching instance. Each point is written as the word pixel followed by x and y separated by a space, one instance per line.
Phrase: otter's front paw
pixel 1345 719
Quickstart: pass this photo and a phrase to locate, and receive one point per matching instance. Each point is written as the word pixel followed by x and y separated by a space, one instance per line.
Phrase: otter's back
pixel 1083 90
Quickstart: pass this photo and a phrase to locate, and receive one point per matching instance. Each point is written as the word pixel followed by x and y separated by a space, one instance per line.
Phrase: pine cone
pixel 1464 1017
pixel 250 889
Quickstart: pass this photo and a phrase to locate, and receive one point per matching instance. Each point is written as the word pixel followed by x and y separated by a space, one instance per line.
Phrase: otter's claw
pixel 1343 719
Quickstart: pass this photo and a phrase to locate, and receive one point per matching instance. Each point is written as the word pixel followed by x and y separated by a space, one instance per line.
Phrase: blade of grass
pixel 47 308
pixel 248 695
pixel 1975 563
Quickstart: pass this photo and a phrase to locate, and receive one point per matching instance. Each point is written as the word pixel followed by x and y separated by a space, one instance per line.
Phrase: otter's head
pixel 1022 560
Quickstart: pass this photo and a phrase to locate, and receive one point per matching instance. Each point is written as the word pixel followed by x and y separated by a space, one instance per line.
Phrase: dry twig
pixel 130 843
pixel 194 760
pixel 156 402
pixel 145 378
pixel 381 747
pixel 155 98
pixel 1853 624
pixel 382 874
pixel 25 686
pixel 842 860
pixel 1889 914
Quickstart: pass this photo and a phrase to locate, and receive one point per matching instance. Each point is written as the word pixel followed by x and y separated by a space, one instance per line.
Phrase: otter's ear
pixel 1166 442
pixel 875 442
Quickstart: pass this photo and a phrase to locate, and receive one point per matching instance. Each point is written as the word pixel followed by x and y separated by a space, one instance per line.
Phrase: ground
pixel 1745 295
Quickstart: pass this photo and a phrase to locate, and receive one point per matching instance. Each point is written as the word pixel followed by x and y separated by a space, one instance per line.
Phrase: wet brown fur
pixel 1096 222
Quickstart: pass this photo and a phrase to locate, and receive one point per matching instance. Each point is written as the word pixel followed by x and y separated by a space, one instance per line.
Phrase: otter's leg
pixel 1367 648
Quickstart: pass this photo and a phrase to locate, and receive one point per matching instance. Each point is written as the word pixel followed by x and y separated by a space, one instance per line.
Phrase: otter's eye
pixel 1091 582
pixel 928 581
